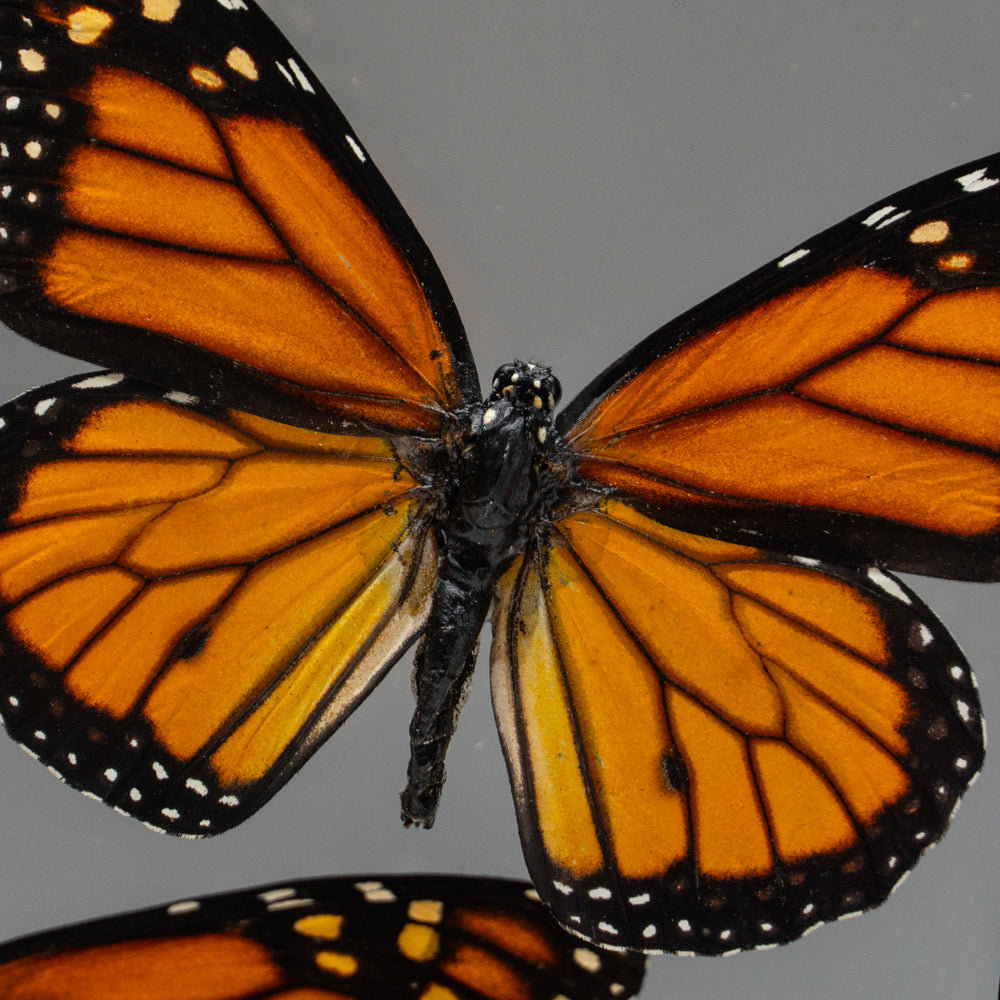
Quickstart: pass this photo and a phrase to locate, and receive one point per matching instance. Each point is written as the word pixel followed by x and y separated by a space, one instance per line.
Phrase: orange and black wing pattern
pixel 841 402
pixel 193 598
pixel 420 937
pixel 724 720
pixel 182 200
pixel 713 747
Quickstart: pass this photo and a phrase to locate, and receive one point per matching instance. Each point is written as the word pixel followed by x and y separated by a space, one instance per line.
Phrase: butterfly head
pixel 533 386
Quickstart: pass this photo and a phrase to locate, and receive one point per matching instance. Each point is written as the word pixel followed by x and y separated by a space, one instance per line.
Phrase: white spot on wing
pixel 976 181
pixel 355 147
pixel 878 215
pixel 290 904
pixel 887 584
pixel 185 906
pixel 100 381
pixel 275 895
pixel 184 398
pixel 196 786
pixel 791 258
pixel 375 892
pixel 893 219
pixel 301 77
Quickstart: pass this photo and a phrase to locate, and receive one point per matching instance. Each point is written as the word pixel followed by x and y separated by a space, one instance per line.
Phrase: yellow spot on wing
pixel 418 942
pixel 160 10
pixel 240 60
pixel 426 911
pixel 206 78
pixel 435 991
pixel 930 232
pixel 337 962
pixel 588 960
pixel 31 60
pixel 320 925
pixel 956 262
pixel 87 24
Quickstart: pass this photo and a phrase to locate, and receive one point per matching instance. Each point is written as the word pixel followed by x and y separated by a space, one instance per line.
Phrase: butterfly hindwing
pixel 418 936
pixel 226 590
pixel 843 401
pixel 183 200
pixel 713 747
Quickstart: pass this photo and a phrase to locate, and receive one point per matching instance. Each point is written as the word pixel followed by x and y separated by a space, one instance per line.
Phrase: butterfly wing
pixel 370 938
pixel 713 747
pixel 842 402
pixel 182 199
pixel 193 598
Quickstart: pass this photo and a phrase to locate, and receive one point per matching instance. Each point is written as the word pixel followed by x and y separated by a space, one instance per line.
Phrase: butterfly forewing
pixel 844 401
pixel 182 199
pixel 227 589
pixel 372 938
pixel 713 747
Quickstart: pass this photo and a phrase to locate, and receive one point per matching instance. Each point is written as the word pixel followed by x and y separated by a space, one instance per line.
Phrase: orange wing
pixel 713 747
pixel 182 200
pixel 227 589
pixel 432 937
pixel 843 401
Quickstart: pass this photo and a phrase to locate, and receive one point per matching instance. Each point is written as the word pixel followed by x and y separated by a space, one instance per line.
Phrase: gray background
pixel 583 171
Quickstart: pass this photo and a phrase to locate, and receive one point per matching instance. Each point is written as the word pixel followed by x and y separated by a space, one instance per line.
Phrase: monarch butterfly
pixel 433 937
pixel 724 721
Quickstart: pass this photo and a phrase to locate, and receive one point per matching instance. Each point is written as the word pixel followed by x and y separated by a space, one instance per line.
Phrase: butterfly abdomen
pixel 493 495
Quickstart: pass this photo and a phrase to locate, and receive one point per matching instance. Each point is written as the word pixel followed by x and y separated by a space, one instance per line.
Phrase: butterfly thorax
pixel 504 479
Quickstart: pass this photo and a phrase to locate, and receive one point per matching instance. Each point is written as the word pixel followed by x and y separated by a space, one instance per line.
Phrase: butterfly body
pixel 506 475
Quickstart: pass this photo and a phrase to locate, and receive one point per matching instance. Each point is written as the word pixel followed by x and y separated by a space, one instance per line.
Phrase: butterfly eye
pixel 503 378
pixel 554 391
